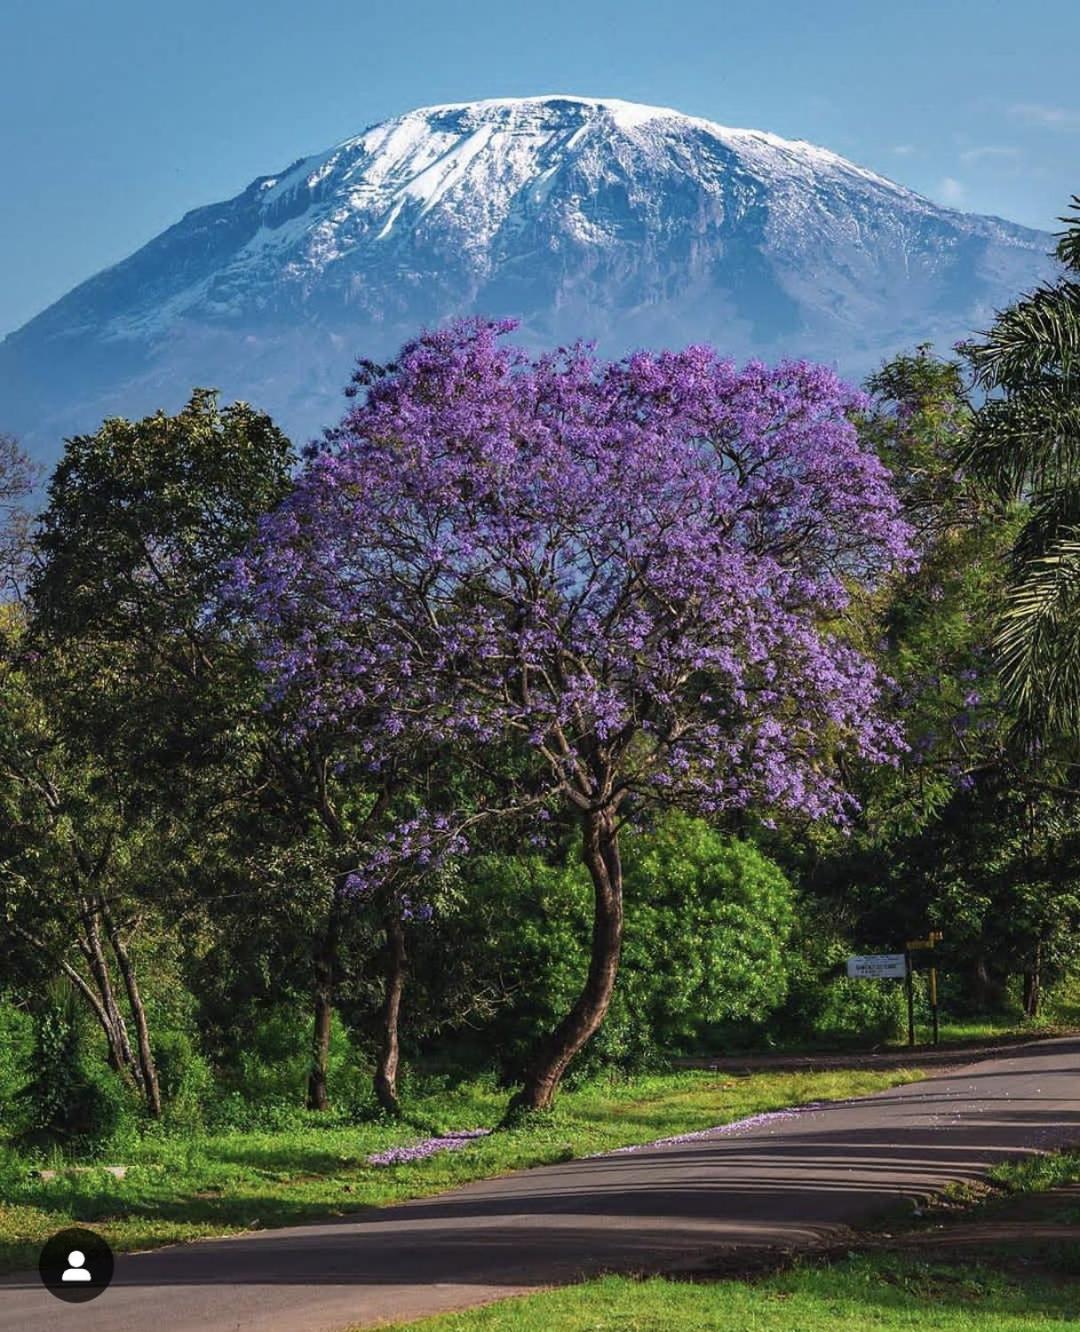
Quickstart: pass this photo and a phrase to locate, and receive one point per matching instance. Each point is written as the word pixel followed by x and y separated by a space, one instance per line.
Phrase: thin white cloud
pixel 990 153
pixel 951 191
pixel 1049 117
pixel 904 149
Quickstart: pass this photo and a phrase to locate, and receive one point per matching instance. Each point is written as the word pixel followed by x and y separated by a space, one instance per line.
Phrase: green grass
pixel 181 1188
pixel 1052 1170
pixel 865 1292
pixel 1020 1189
pixel 991 1029
pixel 1060 1017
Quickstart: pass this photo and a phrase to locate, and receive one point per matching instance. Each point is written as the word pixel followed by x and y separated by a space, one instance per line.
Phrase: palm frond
pixel 1068 246
pixel 1053 517
pixel 1038 642
pixel 1028 440
pixel 1036 337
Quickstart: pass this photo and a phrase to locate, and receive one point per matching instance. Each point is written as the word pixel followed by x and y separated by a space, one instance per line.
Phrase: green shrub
pixel 16 1051
pixel 266 1082
pixel 706 923
pixel 234 1111
pixel 823 1006
pixel 184 1077
pixel 72 1100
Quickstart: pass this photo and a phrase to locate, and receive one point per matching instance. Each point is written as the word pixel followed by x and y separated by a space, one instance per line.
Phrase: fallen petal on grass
pixel 449 1142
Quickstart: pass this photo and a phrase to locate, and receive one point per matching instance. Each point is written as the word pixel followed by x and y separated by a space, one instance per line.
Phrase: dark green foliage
pixel 16 1051
pixel 823 1006
pixel 142 517
pixel 1026 445
pixel 968 834
pixel 71 1100
pixel 128 717
pixel 707 919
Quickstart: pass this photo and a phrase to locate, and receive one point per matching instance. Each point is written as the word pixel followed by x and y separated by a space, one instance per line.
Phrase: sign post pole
pixel 934 936
pixel 909 984
pixel 931 941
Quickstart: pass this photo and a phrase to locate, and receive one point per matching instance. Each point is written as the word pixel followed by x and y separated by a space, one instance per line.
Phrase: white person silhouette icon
pixel 76 1265
pixel 75 1269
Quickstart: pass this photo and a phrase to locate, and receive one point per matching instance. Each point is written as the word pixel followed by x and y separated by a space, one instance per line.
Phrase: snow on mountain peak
pixel 583 216
pixel 484 166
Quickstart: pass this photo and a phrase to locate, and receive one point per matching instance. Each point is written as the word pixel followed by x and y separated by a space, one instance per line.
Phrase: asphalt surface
pixel 917 1056
pixel 781 1183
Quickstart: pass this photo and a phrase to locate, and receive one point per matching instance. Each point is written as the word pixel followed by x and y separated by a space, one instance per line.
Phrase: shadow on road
pixel 785 1184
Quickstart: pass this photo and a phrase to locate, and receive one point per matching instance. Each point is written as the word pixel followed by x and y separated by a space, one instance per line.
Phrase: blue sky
pixel 116 116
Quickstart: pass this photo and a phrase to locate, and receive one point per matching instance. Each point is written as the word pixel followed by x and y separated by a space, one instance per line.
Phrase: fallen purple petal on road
pixel 719 1130
pixel 419 1151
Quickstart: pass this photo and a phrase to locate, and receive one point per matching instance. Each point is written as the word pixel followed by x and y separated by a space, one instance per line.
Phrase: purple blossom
pixel 420 1151
pixel 632 567
pixel 760 1120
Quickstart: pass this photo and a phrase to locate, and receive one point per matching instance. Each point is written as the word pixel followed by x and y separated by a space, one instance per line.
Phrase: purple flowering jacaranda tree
pixel 635 568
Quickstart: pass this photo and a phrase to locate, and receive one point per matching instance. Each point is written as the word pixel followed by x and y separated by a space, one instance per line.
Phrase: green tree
pixel 69 845
pixel 18 476
pixel 963 832
pixel 1026 443
pixel 141 713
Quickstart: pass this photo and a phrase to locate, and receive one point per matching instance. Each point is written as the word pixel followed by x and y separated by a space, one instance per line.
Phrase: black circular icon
pixel 76 1265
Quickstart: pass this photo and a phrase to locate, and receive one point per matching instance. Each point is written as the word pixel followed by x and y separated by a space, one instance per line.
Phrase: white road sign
pixel 873 966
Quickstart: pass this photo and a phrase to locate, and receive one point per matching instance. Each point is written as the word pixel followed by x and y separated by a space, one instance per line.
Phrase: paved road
pixel 786 1182
pixel 919 1056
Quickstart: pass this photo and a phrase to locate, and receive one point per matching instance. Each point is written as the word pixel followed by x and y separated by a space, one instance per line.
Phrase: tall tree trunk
pixel 600 852
pixel 120 1054
pixel 151 1087
pixel 386 1068
pixel 988 990
pixel 95 1003
pixel 325 965
pixel 1033 985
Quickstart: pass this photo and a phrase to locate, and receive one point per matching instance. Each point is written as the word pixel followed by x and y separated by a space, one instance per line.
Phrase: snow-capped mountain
pixel 629 224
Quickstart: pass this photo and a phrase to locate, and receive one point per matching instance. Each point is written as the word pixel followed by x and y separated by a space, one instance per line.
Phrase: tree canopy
pixel 632 569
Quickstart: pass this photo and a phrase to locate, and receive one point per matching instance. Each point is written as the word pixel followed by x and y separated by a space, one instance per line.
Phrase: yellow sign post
pixel 933 938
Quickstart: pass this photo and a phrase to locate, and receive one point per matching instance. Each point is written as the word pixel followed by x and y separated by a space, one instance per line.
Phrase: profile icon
pixel 75 1269
pixel 76 1265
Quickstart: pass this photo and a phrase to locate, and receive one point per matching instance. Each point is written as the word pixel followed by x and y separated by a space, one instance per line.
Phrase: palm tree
pixel 1026 445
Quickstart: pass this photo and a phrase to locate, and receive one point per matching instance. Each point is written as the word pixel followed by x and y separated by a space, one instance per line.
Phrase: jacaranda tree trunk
pixel 386 1068
pixel 600 852
pixel 324 979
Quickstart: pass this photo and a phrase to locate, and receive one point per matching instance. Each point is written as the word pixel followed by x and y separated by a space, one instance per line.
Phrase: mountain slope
pixel 584 217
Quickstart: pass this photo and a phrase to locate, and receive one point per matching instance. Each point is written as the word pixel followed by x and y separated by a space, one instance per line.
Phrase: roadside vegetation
pixel 180 1187
pixel 893 1293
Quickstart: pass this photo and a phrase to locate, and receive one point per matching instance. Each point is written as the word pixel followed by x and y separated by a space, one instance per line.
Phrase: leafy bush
pixel 823 1005
pixel 234 1110
pixel 71 1101
pixel 264 1084
pixel 185 1078
pixel 707 919
pixel 16 1050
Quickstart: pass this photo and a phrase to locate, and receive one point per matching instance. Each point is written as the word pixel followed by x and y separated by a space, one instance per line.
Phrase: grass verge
pixel 184 1187
pixel 887 1293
